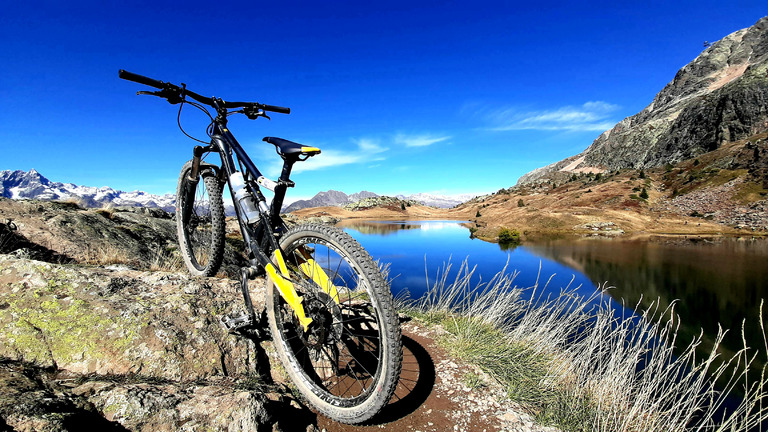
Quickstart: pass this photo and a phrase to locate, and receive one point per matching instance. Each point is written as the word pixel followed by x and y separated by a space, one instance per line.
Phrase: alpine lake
pixel 712 280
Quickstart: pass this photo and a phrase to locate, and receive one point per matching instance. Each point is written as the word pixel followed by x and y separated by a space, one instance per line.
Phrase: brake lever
pixel 254 114
pixel 171 96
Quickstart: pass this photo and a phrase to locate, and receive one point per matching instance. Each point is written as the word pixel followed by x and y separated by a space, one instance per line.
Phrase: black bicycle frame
pixel 258 237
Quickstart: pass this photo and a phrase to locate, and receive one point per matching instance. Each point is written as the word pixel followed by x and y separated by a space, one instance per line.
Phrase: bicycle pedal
pixel 235 324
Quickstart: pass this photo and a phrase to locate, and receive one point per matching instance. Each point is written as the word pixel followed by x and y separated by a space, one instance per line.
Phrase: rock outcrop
pixel 87 348
pixel 137 237
pixel 388 202
pixel 721 96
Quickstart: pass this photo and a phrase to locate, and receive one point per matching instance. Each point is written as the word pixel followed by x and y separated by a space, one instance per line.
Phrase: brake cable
pixel 196 105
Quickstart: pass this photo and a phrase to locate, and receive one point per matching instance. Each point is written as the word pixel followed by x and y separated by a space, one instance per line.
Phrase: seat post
pixel 287 167
pixel 283 183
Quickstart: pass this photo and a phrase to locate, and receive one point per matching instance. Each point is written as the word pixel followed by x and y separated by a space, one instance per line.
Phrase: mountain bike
pixel 330 310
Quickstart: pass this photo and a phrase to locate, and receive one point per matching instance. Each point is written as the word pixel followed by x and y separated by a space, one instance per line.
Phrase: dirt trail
pixel 433 395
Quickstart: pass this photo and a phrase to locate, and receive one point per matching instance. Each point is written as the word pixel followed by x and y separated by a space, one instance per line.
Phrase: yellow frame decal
pixel 281 263
pixel 288 292
pixel 312 269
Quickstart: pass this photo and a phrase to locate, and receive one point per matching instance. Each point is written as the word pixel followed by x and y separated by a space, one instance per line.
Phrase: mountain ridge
pixel 33 185
pixel 721 96
pixel 18 184
pixel 339 199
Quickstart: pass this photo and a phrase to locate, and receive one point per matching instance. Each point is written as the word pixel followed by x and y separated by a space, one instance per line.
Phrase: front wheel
pixel 200 220
pixel 347 362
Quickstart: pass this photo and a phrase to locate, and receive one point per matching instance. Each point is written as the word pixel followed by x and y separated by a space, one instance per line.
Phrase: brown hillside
pixel 721 192
pixel 388 212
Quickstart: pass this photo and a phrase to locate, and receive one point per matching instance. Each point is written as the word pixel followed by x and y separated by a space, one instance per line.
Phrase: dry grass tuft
pixel 106 255
pixel 582 364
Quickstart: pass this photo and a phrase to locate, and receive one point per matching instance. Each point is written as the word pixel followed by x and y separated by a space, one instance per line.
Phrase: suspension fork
pixel 197 154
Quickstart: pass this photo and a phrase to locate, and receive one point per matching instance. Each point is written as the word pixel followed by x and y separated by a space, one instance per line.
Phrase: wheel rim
pixel 341 354
pixel 198 223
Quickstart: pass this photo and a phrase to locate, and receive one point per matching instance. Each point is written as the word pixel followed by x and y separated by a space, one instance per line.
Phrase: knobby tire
pixel 200 220
pixel 348 364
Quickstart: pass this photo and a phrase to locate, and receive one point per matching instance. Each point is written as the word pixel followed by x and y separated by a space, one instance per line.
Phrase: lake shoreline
pixel 322 216
pixel 539 223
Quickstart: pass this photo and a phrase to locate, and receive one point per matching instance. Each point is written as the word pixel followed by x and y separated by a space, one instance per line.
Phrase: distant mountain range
pixel 337 199
pixel 33 185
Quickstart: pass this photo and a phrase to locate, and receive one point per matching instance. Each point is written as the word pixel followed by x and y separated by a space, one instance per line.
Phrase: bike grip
pixel 277 109
pixel 141 79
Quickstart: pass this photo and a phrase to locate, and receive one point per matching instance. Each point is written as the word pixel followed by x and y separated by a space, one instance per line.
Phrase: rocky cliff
pixel 720 97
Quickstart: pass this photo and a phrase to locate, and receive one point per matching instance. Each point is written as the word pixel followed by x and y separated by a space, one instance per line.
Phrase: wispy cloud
pixel 370 146
pixel 368 150
pixel 365 150
pixel 591 116
pixel 419 140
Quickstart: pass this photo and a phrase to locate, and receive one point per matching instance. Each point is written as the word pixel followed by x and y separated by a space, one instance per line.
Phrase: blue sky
pixel 403 97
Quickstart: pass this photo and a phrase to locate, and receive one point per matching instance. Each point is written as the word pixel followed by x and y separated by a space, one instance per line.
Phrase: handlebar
pixel 141 79
pixel 169 90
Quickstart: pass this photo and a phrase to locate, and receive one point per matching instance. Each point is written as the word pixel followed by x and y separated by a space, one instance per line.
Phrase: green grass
pixel 579 365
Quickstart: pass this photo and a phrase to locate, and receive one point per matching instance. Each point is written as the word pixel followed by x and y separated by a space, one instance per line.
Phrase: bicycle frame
pixel 262 236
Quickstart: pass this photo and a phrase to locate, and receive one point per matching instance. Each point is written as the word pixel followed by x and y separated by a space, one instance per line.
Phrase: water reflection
pixel 714 280
pixel 392 227
pixel 416 250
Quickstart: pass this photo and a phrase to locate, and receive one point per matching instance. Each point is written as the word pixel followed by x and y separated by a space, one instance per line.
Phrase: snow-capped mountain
pixel 32 185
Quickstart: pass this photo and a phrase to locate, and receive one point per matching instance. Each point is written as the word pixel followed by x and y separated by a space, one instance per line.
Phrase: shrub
pixel 478 214
pixel 520 203
pixel 508 236
pixel 644 194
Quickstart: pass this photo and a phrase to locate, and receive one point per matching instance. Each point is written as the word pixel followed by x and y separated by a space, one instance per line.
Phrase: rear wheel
pixel 347 363
pixel 200 220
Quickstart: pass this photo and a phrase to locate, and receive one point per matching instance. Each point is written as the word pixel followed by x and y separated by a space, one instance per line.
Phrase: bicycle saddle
pixel 290 148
